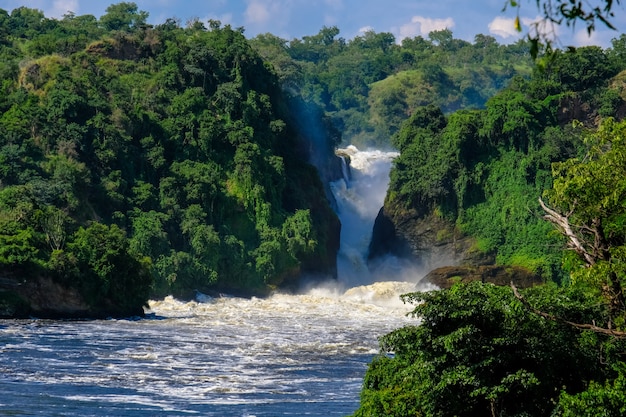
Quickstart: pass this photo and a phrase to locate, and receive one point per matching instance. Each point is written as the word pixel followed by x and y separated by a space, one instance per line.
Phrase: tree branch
pixel 590 327
pixel 562 222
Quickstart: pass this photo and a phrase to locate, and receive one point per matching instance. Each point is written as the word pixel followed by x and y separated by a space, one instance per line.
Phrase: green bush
pixel 479 351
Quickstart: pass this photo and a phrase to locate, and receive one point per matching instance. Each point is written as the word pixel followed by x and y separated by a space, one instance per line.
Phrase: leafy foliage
pixel 591 194
pixel 368 85
pixel 478 351
pixel 109 271
pixel 483 170
pixel 140 159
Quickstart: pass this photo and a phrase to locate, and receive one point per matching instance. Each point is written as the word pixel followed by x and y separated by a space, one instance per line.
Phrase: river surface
pixel 285 355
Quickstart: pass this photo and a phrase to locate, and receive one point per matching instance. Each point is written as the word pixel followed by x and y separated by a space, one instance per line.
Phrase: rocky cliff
pixel 436 245
pixel 431 241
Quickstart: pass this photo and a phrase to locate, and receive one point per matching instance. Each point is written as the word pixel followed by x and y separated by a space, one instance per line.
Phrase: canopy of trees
pixel 139 159
pixel 483 170
pixel 479 351
pixel 191 141
pixel 552 350
pixel 368 85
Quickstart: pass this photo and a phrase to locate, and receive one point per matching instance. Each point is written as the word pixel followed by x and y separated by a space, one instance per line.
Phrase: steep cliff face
pixel 439 247
pixel 431 241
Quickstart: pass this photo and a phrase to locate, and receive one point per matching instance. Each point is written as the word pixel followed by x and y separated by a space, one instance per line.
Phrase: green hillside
pixel 140 160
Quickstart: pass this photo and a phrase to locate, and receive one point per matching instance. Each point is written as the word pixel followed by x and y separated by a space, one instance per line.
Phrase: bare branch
pixel 562 222
pixel 590 327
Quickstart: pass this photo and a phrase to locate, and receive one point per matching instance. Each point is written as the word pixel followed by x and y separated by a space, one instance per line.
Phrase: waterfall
pixel 360 195
pixel 359 198
pixel 345 171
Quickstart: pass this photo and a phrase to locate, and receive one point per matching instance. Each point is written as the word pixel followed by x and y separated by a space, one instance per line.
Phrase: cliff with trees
pixel 465 189
pixel 534 182
pixel 142 160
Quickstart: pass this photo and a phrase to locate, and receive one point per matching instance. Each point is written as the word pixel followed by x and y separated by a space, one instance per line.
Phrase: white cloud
pixel 503 27
pixel 335 4
pixel 258 12
pixel 538 26
pixel 423 26
pixel 598 38
pixel 61 7
pixel 366 29
pixel 534 26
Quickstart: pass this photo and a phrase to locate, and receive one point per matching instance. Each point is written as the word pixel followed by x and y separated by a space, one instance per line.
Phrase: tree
pixel 478 352
pixel 109 271
pixel 149 238
pixel 582 69
pixel 568 12
pixel 123 16
pixel 588 207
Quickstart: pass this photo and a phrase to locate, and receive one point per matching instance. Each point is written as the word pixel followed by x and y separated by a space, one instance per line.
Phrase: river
pixel 285 355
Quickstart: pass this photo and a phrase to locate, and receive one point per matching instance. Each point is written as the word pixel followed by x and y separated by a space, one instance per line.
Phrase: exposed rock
pixel 438 246
pixel 447 276
pixel 431 241
pixel 42 297
pixel 121 48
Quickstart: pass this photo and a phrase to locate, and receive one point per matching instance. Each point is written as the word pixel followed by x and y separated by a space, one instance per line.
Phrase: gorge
pixel 200 174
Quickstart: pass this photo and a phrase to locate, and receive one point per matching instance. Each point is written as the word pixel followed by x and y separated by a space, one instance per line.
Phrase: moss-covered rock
pixel 447 276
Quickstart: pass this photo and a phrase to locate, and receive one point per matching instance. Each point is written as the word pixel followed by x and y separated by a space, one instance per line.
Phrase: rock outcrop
pixel 43 297
pixel 447 276
pixel 436 245
pixel 431 241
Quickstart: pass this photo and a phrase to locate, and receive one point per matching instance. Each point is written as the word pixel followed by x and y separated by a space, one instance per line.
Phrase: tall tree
pixel 123 16
pixel 589 208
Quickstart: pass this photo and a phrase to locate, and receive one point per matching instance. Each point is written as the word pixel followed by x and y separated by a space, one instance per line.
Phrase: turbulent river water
pixel 286 355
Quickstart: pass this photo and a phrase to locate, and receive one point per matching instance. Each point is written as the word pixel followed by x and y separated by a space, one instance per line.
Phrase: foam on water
pixel 282 355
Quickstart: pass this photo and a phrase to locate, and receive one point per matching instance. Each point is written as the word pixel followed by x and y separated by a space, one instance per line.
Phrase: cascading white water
pixel 284 355
pixel 359 198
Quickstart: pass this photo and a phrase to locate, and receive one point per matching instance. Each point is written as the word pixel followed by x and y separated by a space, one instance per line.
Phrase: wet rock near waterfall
pixel 447 276
pixel 42 297
pixel 437 246
pixel 432 241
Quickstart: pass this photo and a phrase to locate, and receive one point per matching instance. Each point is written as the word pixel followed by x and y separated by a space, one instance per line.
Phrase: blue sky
pixel 296 18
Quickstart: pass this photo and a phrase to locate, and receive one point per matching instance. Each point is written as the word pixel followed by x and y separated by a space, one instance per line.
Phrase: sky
pixel 291 19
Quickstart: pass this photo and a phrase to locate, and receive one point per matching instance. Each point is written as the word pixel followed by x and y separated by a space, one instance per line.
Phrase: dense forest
pixel 536 180
pixel 141 160
pixel 187 152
